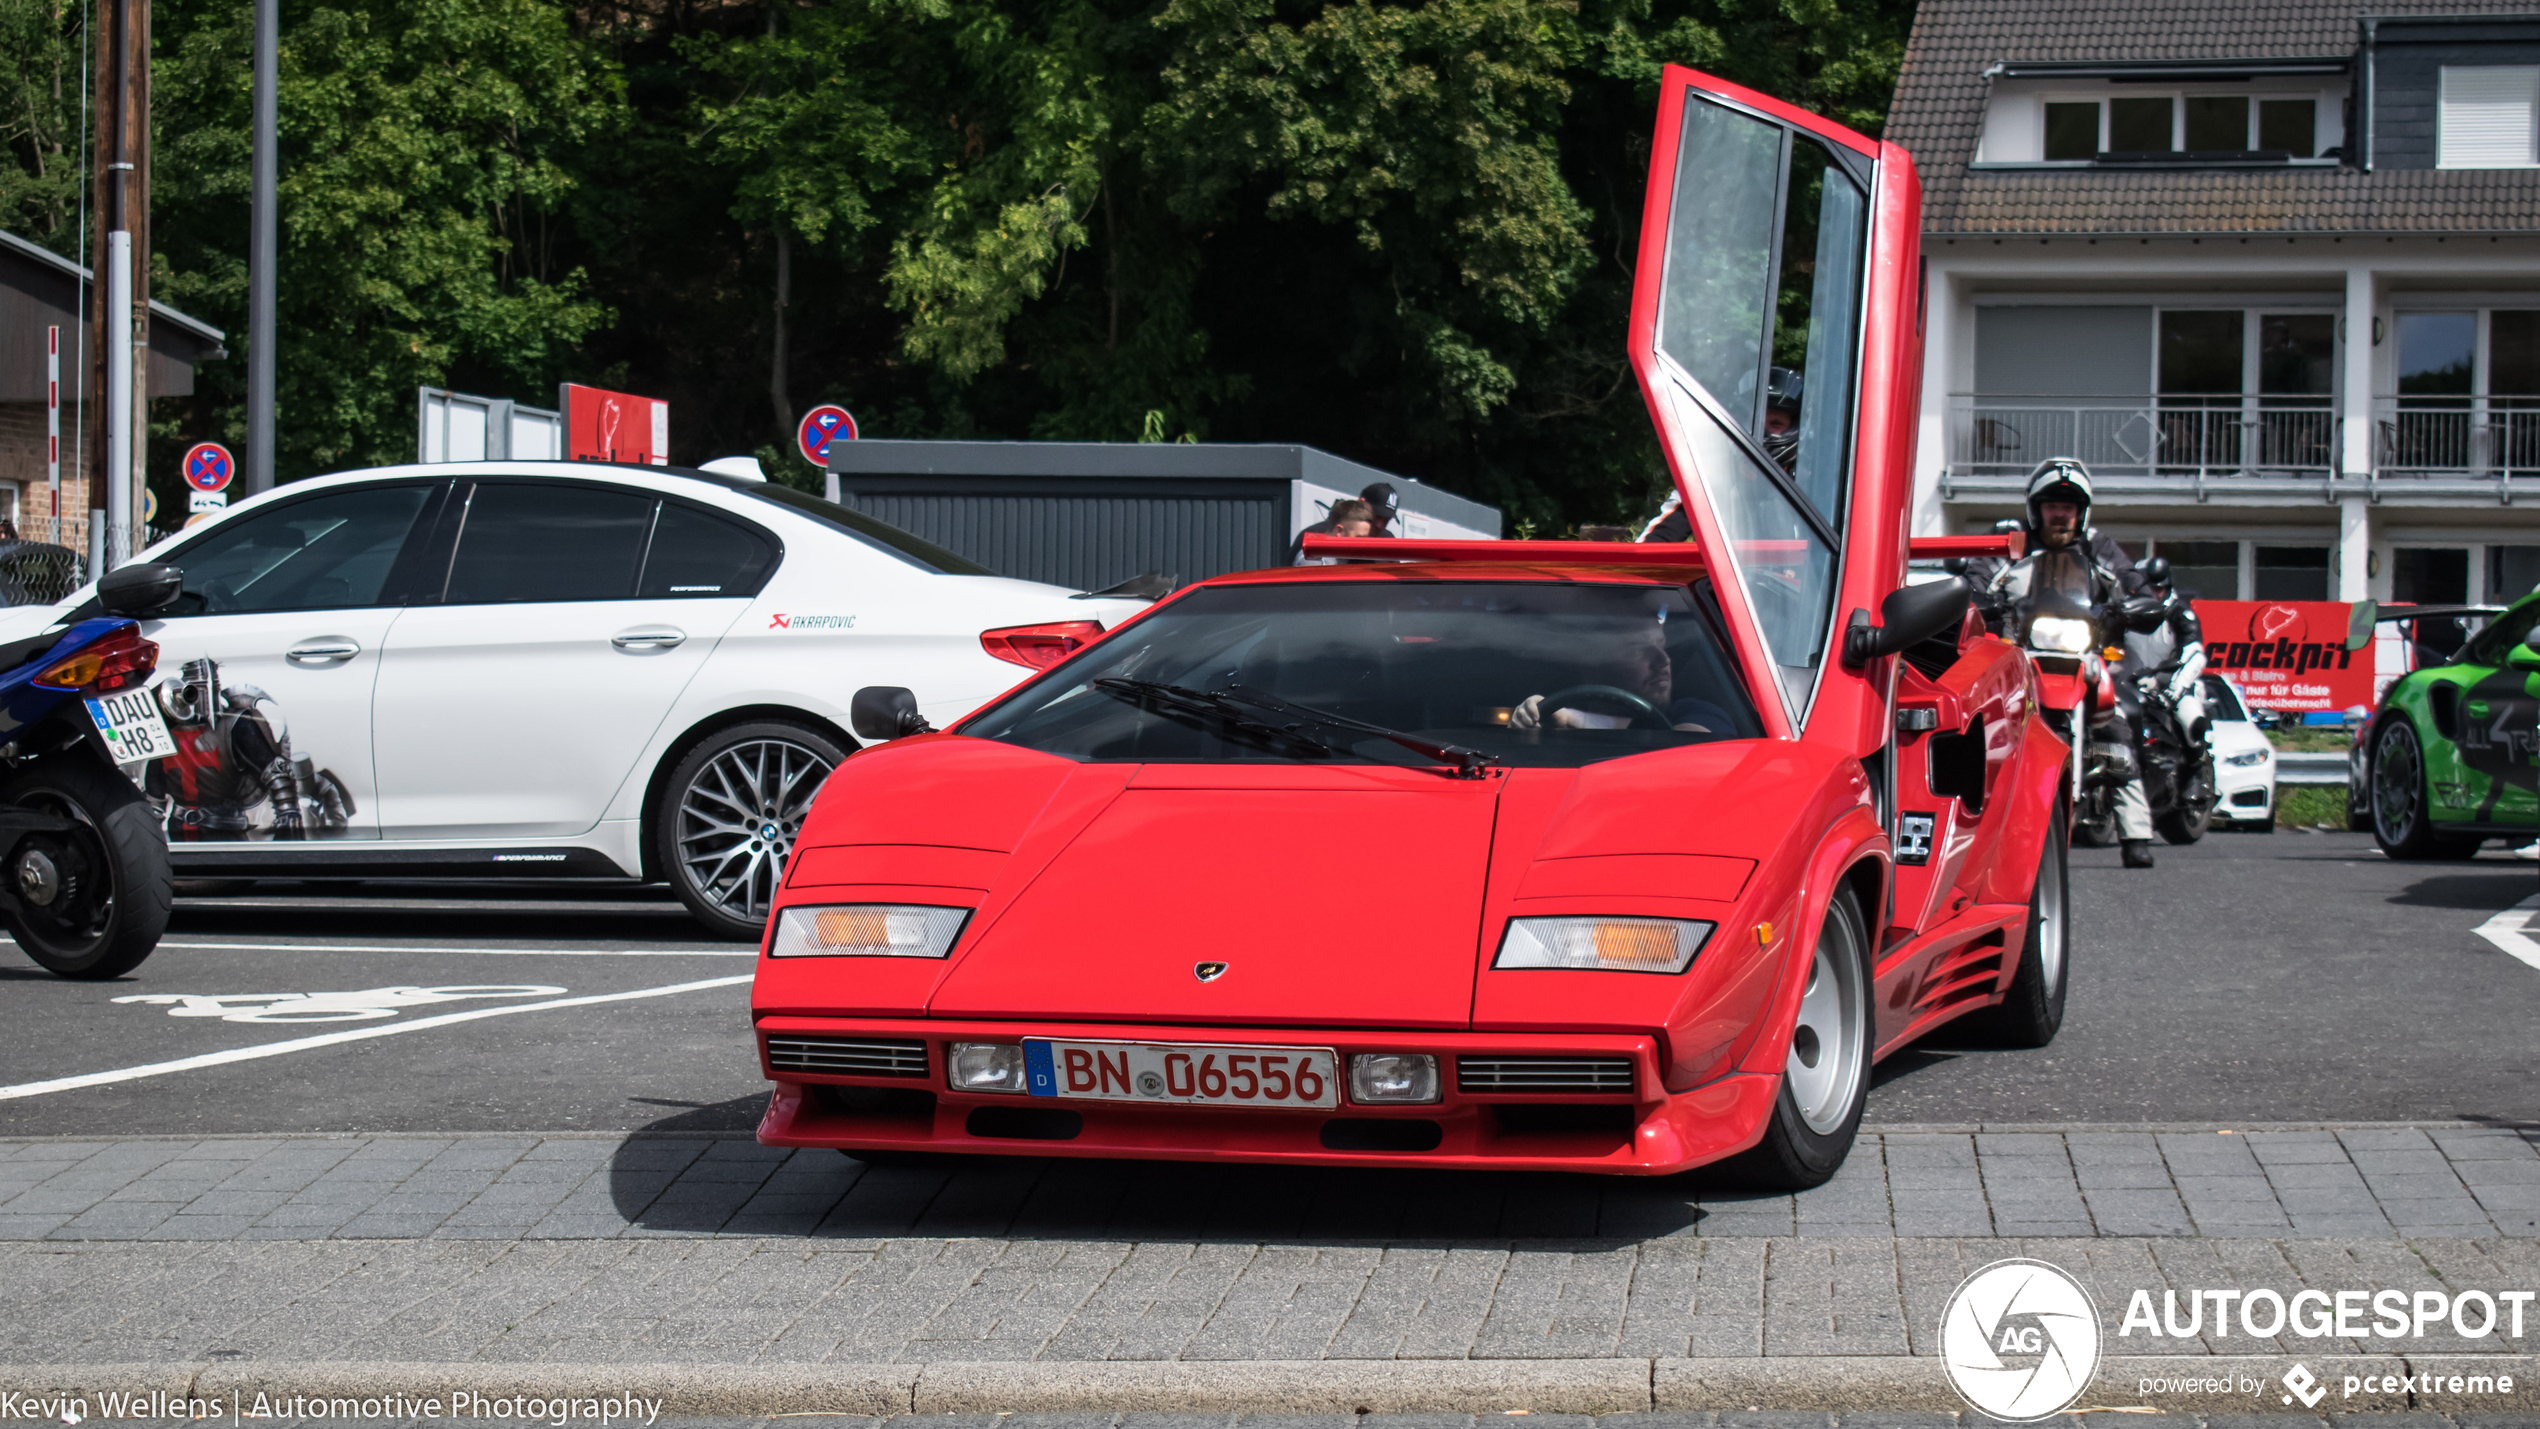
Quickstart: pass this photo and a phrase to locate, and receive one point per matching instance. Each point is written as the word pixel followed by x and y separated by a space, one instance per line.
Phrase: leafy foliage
pixel 1402 230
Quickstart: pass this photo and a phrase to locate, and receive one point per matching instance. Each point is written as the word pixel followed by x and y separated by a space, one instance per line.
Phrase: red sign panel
pixel 600 425
pixel 208 466
pixel 820 426
pixel 2288 654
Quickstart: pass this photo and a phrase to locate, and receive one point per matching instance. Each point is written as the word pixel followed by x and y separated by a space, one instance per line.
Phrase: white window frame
pixel 2489 95
pixel 2323 116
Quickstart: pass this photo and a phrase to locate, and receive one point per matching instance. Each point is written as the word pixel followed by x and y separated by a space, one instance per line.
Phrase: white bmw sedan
pixel 550 669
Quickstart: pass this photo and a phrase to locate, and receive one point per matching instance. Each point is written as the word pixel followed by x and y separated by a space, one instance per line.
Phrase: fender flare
pixel 1852 852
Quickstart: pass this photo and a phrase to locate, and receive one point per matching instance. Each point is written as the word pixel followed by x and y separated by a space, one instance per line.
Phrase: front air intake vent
pixel 847 1056
pixel 1476 1076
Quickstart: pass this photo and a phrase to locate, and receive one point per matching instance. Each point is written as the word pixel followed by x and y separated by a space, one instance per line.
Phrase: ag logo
pixel 2020 1340
pixel 1208 972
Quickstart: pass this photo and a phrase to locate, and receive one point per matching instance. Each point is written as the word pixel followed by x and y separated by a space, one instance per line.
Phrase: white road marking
pixel 722 952
pixel 359 1034
pixel 2506 931
pixel 372 1004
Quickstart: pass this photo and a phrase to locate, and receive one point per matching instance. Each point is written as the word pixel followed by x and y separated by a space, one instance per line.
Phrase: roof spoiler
pixel 1572 553
pixel 2009 544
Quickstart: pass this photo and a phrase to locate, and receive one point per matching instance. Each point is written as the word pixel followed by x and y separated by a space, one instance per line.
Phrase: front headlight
pixel 2062 633
pixel 867 930
pixel 2246 758
pixel 1625 945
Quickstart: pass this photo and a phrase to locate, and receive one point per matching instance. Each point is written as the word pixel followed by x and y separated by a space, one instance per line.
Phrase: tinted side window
pixel 548 542
pixel 328 552
pixel 696 554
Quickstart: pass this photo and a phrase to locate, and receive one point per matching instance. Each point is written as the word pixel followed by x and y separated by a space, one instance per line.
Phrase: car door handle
pixel 662 638
pixel 323 652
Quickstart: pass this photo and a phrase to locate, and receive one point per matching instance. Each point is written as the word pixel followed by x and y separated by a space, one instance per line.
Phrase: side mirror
pixel 885 712
pixel 1910 615
pixel 139 590
pixel 2360 620
pixel 2142 614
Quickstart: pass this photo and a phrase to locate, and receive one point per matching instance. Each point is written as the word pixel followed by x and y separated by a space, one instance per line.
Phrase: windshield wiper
pixel 1468 762
pixel 1178 699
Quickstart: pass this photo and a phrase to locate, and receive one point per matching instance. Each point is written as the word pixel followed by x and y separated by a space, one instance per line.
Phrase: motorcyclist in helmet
pixel 2059 496
pixel 2175 652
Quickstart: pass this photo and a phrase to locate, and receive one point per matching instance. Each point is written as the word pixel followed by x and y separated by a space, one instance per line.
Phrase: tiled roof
pixel 1939 114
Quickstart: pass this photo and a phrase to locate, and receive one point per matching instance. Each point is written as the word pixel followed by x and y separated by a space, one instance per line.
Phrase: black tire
pixel 727 870
pixel 2187 821
pixel 2402 823
pixel 90 904
pixel 1800 1150
pixel 2032 1011
pixel 2096 824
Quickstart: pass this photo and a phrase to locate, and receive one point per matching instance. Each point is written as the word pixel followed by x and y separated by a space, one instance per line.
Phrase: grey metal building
pixel 1093 514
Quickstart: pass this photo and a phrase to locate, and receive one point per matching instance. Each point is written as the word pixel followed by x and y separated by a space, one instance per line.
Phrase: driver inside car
pixel 1643 674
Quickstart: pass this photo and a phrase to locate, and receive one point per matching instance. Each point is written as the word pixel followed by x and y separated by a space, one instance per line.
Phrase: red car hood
pixel 1334 896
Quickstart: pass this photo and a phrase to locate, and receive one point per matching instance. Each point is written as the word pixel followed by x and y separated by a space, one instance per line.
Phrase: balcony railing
pixel 2497 436
pixel 2187 435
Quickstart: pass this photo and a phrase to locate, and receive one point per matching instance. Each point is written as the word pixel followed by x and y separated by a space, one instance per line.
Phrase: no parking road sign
pixel 209 466
pixel 822 425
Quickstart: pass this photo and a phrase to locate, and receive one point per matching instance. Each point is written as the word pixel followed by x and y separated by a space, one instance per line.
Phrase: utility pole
pixel 260 254
pixel 119 308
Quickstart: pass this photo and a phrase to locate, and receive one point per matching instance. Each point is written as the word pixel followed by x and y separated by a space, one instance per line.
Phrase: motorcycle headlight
pixel 2246 758
pixel 1627 945
pixel 2060 633
pixel 866 930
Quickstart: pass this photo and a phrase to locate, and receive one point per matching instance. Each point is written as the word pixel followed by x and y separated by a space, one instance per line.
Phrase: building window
pixel 2140 125
pixel 2512 573
pixel 2293 573
pixel 2217 123
pixel 2205 570
pixel 2290 127
pixel 2210 126
pixel 2072 131
pixel 2488 117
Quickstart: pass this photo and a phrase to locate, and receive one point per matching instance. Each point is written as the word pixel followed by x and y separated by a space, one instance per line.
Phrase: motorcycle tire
pixel 90 904
pixel 2095 825
pixel 2032 1010
pixel 2191 812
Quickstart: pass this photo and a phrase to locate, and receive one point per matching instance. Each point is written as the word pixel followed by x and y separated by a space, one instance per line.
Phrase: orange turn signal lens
pixel 118 662
pixel 1623 945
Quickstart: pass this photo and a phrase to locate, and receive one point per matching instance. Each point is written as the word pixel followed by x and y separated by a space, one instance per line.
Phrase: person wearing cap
pixel 2059 495
pixel 1381 508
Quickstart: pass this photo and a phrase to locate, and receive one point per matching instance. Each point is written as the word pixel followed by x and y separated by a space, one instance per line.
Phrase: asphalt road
pixel 2281 978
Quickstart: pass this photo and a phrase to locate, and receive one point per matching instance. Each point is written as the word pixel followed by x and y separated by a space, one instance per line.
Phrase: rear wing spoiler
pixel 2010 545
pixel 2393 614
pixel 1565 553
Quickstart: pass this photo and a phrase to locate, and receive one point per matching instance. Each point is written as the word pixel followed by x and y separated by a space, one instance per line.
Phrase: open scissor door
pixel 1771 330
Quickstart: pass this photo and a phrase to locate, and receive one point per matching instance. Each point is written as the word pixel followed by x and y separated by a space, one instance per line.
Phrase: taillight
pixel 1037 647
pixel 118 662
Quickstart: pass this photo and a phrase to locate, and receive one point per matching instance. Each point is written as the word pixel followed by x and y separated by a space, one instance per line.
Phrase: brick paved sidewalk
pixel 2382 1182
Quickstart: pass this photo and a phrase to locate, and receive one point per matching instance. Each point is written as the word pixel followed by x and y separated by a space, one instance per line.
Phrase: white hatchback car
pixel 2244 759
pixel 553 669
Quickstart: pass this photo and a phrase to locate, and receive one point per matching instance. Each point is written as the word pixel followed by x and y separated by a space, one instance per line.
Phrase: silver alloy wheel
pixel 739 817
pixel 2050 920
pixel 2396 778
pixel 1828 1052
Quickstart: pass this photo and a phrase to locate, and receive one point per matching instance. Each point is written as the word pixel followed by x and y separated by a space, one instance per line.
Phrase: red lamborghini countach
pixel 1533 855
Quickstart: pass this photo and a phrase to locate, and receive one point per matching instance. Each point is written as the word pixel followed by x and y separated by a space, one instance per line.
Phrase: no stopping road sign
pixel 822 425
pixel 209 466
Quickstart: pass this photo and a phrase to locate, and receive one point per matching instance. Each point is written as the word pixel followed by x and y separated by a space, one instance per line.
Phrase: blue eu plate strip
pixel 1037 1072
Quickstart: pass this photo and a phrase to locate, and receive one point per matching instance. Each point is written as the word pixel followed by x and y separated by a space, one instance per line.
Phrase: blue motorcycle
pixel 84 879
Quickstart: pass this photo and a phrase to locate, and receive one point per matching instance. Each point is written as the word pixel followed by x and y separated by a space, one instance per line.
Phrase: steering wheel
pixel 1642 710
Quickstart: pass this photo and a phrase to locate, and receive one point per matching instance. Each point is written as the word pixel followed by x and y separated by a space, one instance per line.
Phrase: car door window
pixel 549 542
pixel 325 553
pixel 698 555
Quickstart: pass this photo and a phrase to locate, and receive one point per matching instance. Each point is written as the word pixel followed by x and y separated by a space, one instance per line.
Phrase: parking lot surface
pixel 2289 978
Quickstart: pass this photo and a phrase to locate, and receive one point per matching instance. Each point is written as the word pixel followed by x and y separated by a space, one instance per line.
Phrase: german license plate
pixel 132 726
pixel 1183 1072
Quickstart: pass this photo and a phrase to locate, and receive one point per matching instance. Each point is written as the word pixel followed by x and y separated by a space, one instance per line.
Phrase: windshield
pixel 2220 702
pixel 2059 584
pixel 1531 673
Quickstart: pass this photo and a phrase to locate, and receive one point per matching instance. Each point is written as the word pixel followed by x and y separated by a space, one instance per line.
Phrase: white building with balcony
pixel 2271 270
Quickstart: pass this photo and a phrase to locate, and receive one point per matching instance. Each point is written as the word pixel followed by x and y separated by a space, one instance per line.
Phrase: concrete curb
pixel 2203 1384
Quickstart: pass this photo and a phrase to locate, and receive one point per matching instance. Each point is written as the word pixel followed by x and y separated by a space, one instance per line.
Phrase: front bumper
pixel 2244 794
pixel 1643 1131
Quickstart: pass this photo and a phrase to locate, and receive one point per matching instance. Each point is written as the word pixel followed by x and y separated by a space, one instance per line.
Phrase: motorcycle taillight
pixel 118 662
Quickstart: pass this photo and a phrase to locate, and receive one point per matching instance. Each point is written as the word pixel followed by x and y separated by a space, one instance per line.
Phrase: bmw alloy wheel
pixel 1829 1047
pixel 738 816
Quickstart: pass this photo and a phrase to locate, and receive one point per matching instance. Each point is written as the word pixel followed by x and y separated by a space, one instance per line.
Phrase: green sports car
pixel 2452 756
